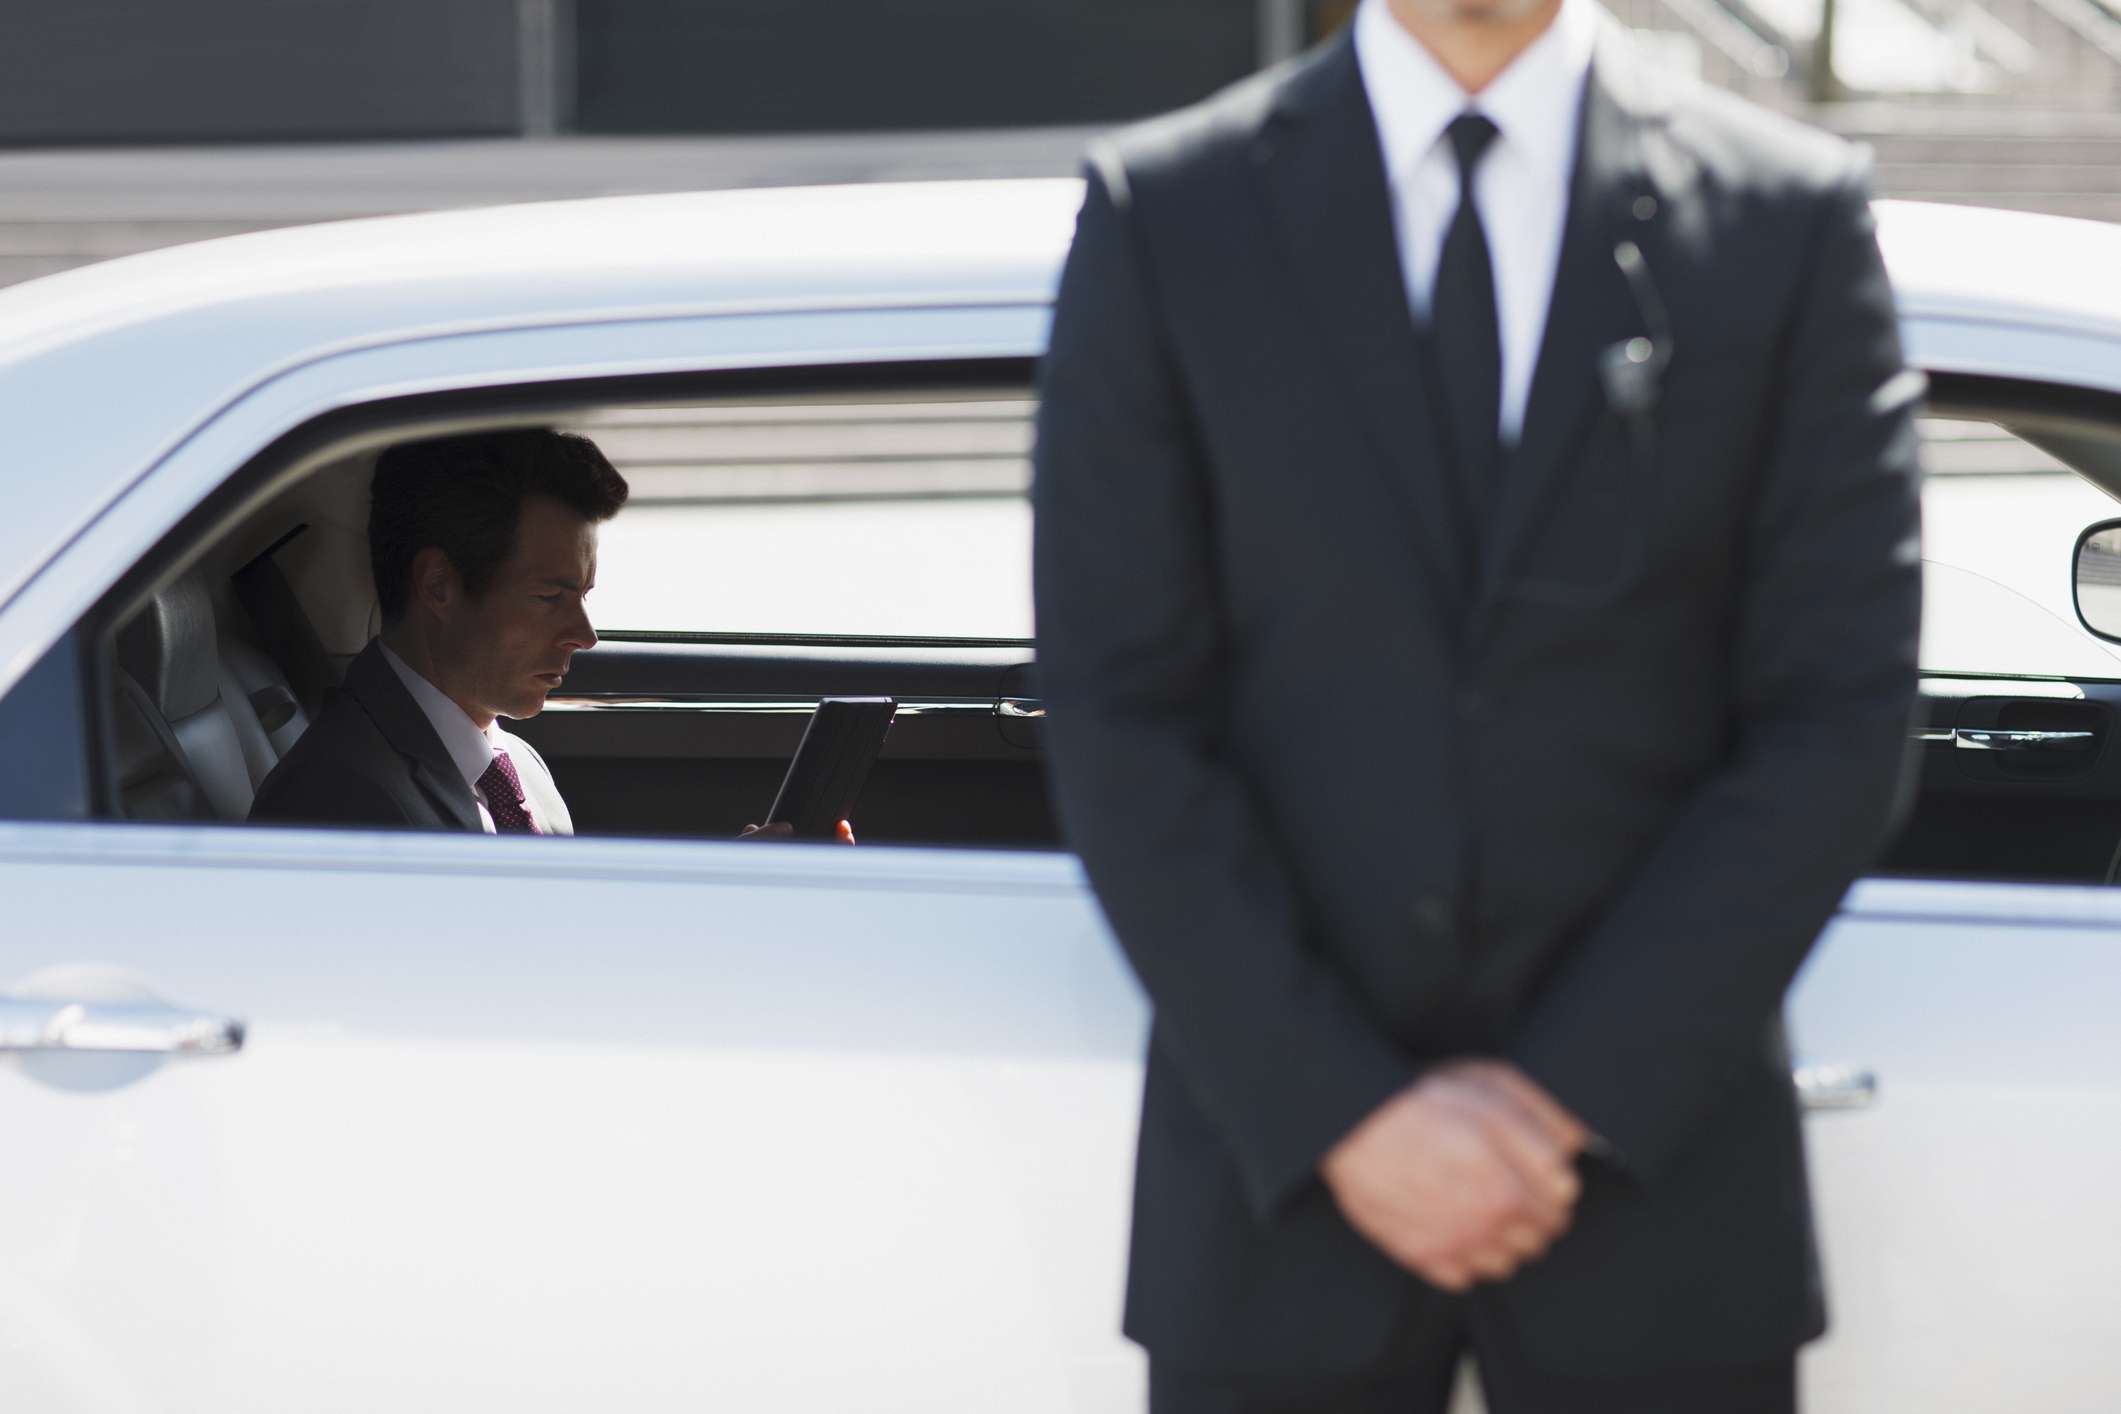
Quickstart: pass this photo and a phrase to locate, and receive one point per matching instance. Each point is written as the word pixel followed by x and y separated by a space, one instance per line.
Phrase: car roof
pixel 911 243
pixel 1988 265
pixel 104 368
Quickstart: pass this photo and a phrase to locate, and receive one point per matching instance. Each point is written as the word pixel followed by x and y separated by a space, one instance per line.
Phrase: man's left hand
pixel 782 830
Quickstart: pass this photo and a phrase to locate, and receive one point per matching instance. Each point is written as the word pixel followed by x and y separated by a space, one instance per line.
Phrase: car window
pixel 910 518
pixel 2000 519
pixel 44 773
pixel 886 525
pixel 900 518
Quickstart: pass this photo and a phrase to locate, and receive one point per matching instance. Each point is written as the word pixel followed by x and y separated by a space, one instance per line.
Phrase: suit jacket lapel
pixel 374 683
pixel 1323 177
pixel 1591 307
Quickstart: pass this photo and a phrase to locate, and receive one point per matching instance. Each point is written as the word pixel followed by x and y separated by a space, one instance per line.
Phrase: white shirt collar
pixel 470 749
pixel 1533 103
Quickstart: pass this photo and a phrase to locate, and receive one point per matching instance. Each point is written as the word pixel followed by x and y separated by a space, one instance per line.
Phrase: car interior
pixel 220 651
pixel 228 654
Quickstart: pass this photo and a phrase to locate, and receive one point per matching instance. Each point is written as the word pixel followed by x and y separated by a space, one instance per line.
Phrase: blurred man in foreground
pixel 1477 592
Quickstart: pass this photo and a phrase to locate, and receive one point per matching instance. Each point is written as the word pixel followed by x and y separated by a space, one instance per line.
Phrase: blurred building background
pixel 128 124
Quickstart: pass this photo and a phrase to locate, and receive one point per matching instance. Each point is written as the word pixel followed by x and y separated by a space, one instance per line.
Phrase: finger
pixel 1450 1275
pixel 1524 1241
pixel 1491 1263
pixel 846 833
pixel 1499 1085
pixel 1532 1097
pixel 1541 1166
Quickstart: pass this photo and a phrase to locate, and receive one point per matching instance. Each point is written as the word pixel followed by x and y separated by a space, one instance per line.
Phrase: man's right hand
pixel 1464 1175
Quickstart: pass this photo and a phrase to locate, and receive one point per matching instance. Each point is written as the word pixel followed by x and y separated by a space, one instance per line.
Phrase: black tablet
pixel 839 746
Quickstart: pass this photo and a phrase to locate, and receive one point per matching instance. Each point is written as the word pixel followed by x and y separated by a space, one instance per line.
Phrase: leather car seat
pixel 154 780
pixel 268 718
pixel 170 653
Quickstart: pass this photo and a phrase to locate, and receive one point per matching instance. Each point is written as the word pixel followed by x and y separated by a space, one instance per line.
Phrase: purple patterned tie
pixel 504 797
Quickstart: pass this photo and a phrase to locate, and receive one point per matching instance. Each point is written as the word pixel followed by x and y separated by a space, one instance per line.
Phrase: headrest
pixel 168 647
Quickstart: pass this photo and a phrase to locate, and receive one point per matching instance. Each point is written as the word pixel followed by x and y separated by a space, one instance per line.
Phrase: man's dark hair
pixel 464 495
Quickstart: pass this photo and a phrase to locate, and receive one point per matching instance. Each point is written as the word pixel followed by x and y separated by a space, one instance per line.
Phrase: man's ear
pixel 436 585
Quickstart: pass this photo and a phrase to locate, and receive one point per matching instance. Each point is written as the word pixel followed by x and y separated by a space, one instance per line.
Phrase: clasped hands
pixel 1464 1176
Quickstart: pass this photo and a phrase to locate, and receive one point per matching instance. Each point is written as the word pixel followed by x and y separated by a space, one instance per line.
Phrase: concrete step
pixel 14 269
pixel 2091 153
pixel 317 182
pixel 2089 207
pixel 103 240
pixel 1979 119
pixel 1990 179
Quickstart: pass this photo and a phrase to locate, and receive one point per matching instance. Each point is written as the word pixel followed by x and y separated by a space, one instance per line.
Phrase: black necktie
pixel 1468 342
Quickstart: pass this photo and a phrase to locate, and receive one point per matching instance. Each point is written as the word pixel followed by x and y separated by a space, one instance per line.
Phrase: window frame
pixel 346 431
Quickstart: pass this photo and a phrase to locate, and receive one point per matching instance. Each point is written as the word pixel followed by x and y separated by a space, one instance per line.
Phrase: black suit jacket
pixel 1348 819
pixel 370 758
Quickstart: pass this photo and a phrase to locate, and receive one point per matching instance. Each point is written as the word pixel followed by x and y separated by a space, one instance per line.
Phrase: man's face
pixel 506 650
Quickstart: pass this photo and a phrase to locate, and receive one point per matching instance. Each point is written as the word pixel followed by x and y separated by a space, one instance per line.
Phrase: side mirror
pixel 2098 579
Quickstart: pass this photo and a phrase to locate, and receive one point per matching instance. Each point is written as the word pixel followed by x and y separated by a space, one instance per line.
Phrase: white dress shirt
pixel 472 750
pixel 1520 188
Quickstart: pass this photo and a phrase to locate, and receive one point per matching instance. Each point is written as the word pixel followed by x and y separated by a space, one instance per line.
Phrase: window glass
pixel 44 770
pixel 903 517
pixel 2000 519
pixel 910 518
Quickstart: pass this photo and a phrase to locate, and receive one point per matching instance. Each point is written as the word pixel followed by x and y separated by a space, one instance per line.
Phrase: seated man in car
pixel 484 547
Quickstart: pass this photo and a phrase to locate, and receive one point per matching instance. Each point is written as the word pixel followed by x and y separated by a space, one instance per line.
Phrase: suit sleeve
pixel 1267 1038
pixel 1665 1003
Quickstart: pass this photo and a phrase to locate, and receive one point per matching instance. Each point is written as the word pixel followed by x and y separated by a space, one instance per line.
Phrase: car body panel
pixel 726 1126
pixel 2003 269
pixel 1968 1212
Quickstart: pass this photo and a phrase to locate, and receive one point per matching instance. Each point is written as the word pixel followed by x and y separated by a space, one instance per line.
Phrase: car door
pixel 1963 1146
pixel 333 1120
pixel 1954 1027
pixel 555 1124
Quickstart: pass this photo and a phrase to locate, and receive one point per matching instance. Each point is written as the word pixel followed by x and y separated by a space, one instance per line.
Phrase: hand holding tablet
pixel 831 765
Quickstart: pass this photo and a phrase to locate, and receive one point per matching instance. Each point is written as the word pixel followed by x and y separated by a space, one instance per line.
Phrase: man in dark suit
pixel 1477 593
pixel 483 549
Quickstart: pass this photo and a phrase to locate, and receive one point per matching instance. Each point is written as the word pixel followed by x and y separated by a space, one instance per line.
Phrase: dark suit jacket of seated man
pixel 484 548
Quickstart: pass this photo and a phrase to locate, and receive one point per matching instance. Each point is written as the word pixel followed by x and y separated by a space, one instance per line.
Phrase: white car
pixel 647 1119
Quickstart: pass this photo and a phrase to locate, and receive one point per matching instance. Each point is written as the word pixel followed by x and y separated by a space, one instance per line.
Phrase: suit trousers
pixel 1421 1374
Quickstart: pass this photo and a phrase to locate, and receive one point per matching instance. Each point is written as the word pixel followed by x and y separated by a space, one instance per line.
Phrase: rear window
pixel 901 517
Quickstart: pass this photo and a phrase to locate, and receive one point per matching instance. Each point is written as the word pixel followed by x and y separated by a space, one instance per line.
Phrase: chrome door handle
pixel 32 1025
pixel 1834 1087
pixel 1027 708
pixel 1994 739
